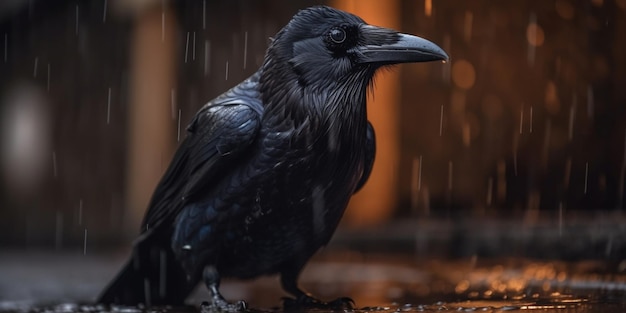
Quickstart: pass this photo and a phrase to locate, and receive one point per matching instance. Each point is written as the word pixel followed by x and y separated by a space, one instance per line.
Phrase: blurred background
pixel 516 147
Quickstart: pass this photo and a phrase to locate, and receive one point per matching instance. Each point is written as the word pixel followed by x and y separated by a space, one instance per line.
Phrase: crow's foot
pixel 308 302
pixel 221 305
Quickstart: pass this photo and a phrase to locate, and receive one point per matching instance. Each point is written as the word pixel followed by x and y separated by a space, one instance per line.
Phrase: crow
pixel 267 168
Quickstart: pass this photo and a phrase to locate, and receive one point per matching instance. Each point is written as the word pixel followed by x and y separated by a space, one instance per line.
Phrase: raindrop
pixel 80 212
pixel 173 102
pixel 521 120
pixel 245 49
pixel 419 181
pixel 546 140
pixel 203 14
pixel 35 67
pixel 54 163
pixel 162 20
pixel 416 181
pixel 450 172
pixel 58 238
pixel 446 70
pixel 187 48
pixel 572 117
pixel 109 107
pixel 6 47
pixel 441 122
pixel 534 36
pixel 530 127
pixel 146 290
pixel 515 148
pixel 193 52
pixel 489 191
pixel 104 12
pixel 85 243
pixel 568 172
pixel 207 55
pixel 469 18
pixel 48 79
pixel 226 70
pixel 560 219
pixel 590 101
pixel 77 20
pixel 622 174
pixel 586 176
pixel 178 136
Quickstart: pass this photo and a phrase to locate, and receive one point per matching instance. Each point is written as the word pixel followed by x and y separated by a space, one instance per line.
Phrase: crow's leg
pixel 289 281
pixel 218 303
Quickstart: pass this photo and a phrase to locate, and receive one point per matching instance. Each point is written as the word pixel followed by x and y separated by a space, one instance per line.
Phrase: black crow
pixel 266 170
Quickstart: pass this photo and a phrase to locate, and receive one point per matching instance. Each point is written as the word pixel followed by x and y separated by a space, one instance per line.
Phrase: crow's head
pixel 321 47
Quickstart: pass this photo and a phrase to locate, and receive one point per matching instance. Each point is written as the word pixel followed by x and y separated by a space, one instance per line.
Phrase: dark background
pixel 532 134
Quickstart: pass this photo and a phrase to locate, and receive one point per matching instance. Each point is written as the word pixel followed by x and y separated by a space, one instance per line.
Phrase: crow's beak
pixel 404 48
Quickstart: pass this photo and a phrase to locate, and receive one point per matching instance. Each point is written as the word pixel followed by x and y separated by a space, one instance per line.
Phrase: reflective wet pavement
pixel 67 282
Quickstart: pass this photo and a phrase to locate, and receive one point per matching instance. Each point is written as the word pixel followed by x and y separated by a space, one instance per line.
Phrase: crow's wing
pixel 370 155
pixel 220 133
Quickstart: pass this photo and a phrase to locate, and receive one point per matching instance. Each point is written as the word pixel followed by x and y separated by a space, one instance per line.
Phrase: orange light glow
pixel 376 201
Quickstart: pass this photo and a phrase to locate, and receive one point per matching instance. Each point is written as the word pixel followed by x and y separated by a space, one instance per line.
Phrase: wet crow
pixel 266 170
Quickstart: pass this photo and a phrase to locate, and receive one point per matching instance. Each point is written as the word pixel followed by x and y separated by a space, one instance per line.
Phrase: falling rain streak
pixel 590 102
pixel 203 14
pixel 54 164
pixel 187 48
pixel 178 136
pixel 109 107
pixel 226 70
pixel 469 21
pixel 35 67
pixel 162 20
pixel 521 120
pixel 80 212
pixel 85 243
pixel 193 47
pixel 530 127
pixel 245 49
pixel 560 219
pixel 586 176
pixel 104 12
pixel 441 122
pixel 531 36
pixel 58 238
pixel 48 79
pixel 450 175
pixel 489 191
pixel 207 55
pixel 6 47
pixel 416 181
pixel 77 20
pixel 572 117
pixel 173 102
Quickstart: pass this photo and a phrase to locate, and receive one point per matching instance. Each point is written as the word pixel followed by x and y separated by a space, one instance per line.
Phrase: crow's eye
pixel 337 35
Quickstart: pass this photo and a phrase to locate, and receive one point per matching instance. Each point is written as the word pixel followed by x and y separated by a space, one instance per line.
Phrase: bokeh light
pixel 535 35
pixel 463 74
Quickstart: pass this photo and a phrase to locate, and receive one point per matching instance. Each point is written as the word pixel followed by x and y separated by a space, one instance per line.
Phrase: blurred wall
pixel 527 116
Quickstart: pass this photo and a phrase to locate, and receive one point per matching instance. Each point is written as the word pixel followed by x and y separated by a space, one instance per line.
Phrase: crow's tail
pixel 152 276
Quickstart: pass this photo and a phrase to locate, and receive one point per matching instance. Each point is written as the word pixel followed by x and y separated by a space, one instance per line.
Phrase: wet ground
pixel 66 282
pixel 383 270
